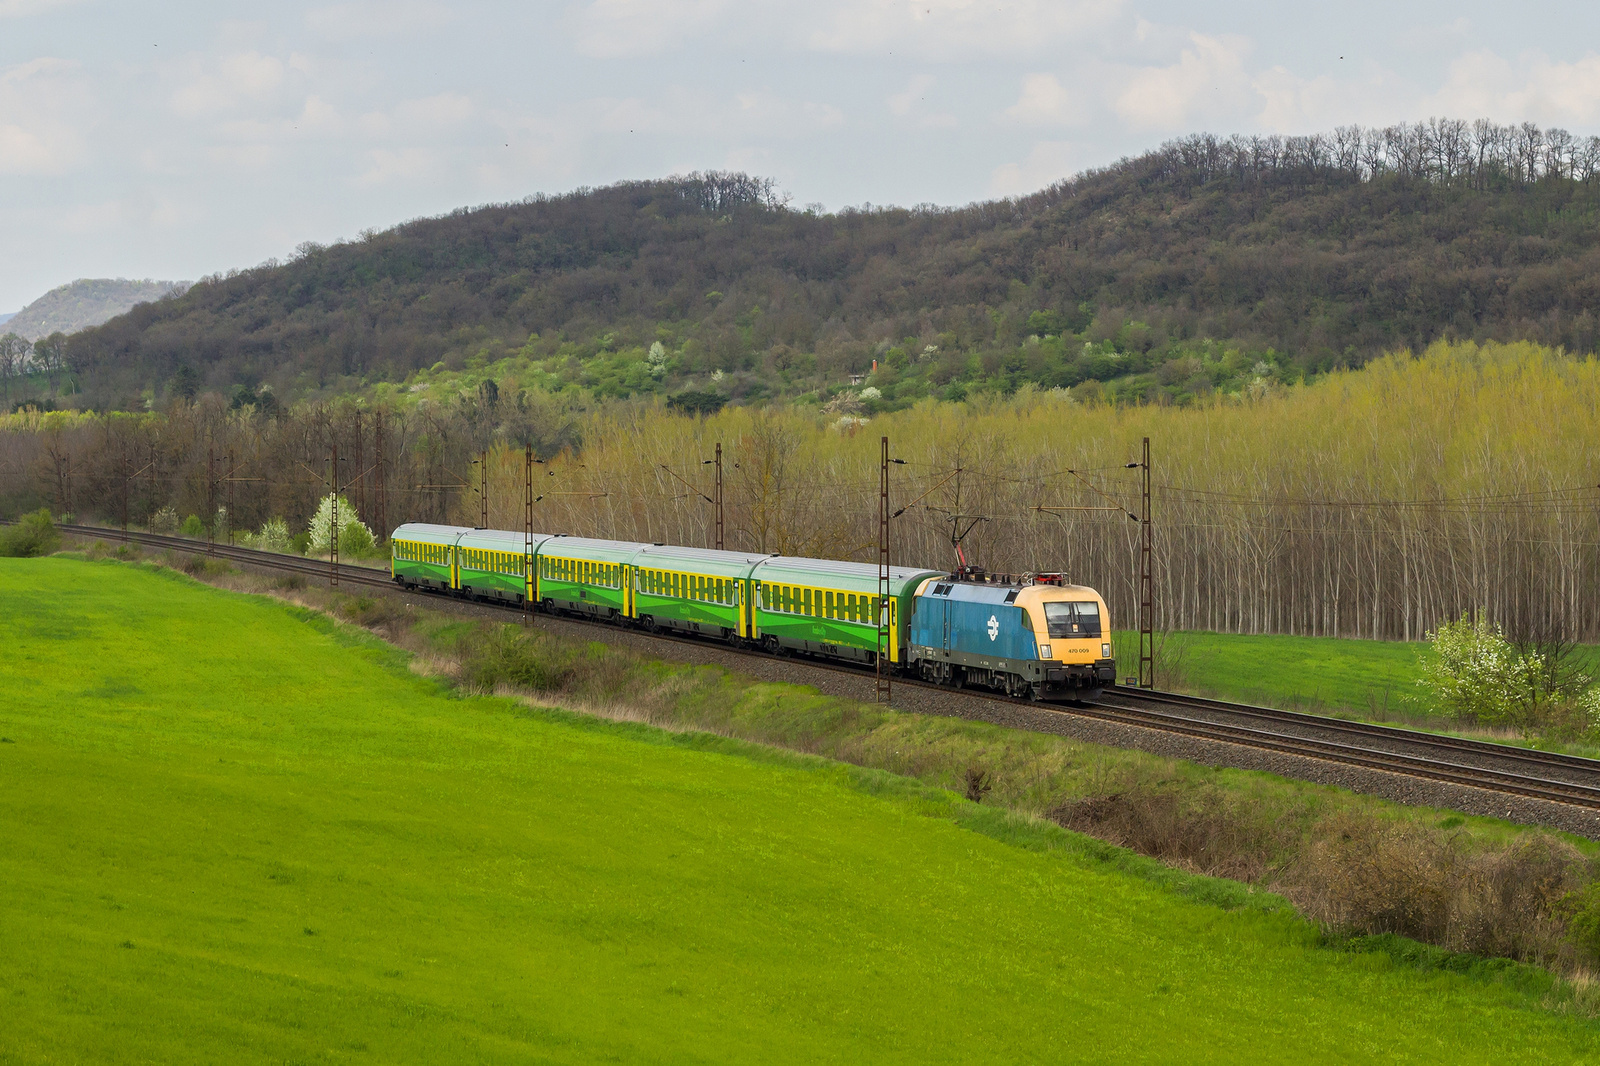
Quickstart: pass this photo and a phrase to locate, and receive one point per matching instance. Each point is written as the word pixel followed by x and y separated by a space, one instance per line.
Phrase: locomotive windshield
pixel 1072 619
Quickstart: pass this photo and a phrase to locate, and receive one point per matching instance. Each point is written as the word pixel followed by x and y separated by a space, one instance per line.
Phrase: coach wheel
pixel 549 606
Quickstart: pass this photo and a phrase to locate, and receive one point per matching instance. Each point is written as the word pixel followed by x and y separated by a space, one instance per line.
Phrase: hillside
pixel 1196 267
pixel 258 837
pixel 87 302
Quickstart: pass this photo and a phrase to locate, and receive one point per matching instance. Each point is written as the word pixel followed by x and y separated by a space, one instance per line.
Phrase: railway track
pixel 1497 768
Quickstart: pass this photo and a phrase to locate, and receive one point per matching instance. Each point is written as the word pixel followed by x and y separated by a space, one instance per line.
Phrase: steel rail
pixel 1354 755
pixel 1397 734
pixel 1160 720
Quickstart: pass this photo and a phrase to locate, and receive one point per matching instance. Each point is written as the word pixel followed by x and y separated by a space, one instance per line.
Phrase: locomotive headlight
pixel 1044 651
pixel 1105 651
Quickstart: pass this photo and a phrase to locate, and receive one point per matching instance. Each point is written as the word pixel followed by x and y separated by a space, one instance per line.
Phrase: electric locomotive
pixel 1034 636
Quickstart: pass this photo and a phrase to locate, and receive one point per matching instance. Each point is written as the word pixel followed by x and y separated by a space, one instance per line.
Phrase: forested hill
pixel 83 303
pixel 1171 271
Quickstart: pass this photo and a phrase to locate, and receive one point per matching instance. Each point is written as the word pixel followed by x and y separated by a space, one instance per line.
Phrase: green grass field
pixel 1301 673
pixel 234 832
pixel 1370 678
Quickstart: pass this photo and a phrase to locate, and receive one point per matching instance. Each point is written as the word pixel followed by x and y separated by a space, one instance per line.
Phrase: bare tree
pixel 13 359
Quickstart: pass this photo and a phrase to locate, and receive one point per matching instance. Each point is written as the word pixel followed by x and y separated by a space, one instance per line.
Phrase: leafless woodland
pixel 1374 504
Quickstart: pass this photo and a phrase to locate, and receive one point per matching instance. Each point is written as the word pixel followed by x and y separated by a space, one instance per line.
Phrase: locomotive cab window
pixel 1068 620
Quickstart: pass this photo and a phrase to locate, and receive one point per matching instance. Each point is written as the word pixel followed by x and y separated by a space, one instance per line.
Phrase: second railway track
pixel 1495 768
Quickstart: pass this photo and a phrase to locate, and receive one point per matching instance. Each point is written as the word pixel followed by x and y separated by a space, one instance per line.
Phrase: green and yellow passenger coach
pixel 785 604
pixel 831 608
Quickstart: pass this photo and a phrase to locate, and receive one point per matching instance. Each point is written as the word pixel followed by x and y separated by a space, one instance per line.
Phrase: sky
pixel 180 139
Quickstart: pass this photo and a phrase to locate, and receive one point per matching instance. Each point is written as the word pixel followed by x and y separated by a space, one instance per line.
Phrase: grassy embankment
pixel 240 832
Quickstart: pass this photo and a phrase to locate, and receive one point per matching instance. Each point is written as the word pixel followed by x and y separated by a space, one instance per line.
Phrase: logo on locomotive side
pixel 994 627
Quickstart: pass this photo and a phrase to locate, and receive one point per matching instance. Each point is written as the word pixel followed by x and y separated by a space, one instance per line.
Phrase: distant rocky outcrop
pixel 84 303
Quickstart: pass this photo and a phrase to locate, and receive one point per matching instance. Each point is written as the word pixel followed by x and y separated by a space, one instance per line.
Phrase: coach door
pixel 627 590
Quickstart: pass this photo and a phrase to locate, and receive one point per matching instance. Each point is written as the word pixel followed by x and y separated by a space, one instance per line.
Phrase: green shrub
pixel 1476 675
pixel 273 537
pixel 351 529
pixel 193 527
pixel 355 541
pixel 1580 911
pixel 33 534
pixel 500 656
pixel 381 612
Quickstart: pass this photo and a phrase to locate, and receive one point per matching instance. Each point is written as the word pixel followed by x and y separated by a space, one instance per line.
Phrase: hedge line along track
pixel 1290 733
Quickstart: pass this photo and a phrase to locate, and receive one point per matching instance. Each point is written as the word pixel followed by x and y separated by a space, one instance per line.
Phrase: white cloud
pixel 444 111
pixel 343 22
pixel 93 218
pixel 909 104
pixel 244 158
pixel 901 103
pixel 612 28
pixel 678 111
pixel 14 9
pixel 1535 87
pixel 223 84
pixel 1293 104
pixel 387 166
pixel 533 148
pixel 1045 102
pixel 1047 162
pixel 430 115
pixel 316 116
pixel 958 29
pixel 1209 77
pixel 45 110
